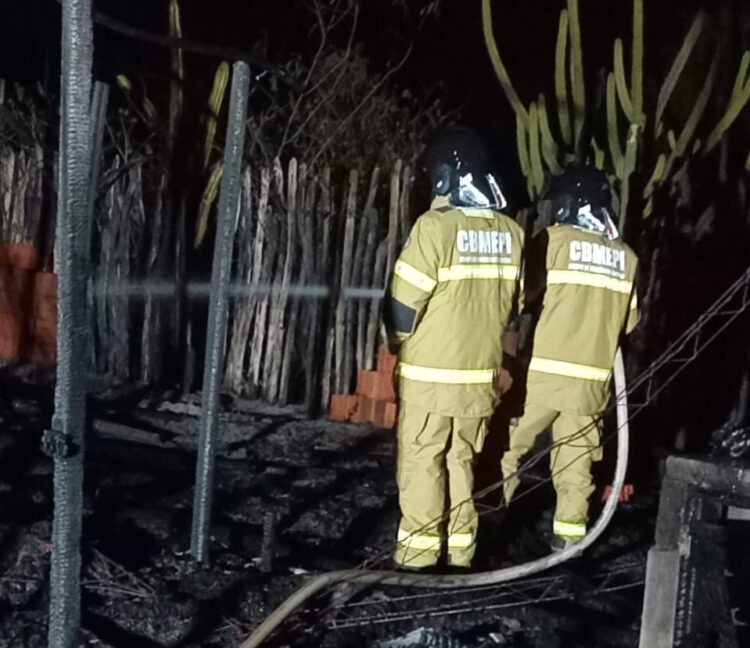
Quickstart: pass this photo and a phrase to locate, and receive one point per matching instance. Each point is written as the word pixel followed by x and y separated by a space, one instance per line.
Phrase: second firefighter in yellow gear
pixel 450 298
pixel 580 288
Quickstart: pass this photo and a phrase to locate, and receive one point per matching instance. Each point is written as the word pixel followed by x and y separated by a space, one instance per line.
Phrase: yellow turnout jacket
pixel 584 299
pixel 449 301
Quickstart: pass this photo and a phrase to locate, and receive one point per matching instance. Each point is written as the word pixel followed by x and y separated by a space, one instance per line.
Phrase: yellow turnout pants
pixel 433 450
pixel 577 445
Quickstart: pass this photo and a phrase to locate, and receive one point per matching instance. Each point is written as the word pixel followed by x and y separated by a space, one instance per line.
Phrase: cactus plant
pixel 576 73
pixel 214 108
pixel 561 80
pixel 178 72
pixel 738 100
pixel 626 157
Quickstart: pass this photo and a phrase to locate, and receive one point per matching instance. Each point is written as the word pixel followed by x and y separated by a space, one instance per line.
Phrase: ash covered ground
pixel 293 496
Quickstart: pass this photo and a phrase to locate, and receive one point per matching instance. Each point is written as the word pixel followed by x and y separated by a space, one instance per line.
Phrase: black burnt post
pixel 686 602
pixel 227 215
pixel 65 441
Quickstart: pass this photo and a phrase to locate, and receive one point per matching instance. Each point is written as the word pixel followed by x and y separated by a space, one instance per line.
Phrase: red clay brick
pixel 384 390
pixel 15 290
pixel 8 300
pixel 386 361
pixel 364 410
pixel 366 383
pixel 19 255
pixel 44 302
pixel 378 413
pixel 23 280
pixel 10 337
pixel 41 354
pixel 43 330
pixel 390 416
pixel 45 283
pixel 44 308
pixel 343 407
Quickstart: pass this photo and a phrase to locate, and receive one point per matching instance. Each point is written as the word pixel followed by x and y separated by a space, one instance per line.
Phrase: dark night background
pixel 295 485
pixel 448 49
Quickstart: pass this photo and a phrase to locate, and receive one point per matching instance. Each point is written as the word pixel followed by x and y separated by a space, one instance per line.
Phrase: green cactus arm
pixel 497 63
pixel 549 146
pixel 636 73
pixel 688 131
pixel 124 83
pixel 649 208
pixel 561 80
pixel 146 110
pixel 613 139
pixel 576 72
pixel 675 71
pixel 741 78
pixel 739 99
pixel 622 85
pixel 207 199
pixel 178 70
pixel 522 142
pixel 672 139
pixel 599 156
pixel 214 108
pixel 535 152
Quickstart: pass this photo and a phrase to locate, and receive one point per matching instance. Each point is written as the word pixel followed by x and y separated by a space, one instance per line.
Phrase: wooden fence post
pixel 343 357
pixel 234 377
pixel 262 267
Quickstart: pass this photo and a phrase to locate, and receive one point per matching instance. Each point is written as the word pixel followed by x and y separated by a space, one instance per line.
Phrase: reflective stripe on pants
pixel 569 529
pixel 428 444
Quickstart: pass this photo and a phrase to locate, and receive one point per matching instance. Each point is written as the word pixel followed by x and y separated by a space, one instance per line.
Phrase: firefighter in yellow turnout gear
pixel 450 298
pixel 580 289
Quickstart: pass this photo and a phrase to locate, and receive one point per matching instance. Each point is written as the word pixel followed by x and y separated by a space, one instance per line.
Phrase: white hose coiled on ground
pixel 393 578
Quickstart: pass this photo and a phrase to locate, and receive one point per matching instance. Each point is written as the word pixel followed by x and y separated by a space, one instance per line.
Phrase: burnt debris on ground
pixel 293 496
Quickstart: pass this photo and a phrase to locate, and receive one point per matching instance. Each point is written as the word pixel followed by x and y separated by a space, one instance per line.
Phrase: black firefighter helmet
pixel 581 196
pixel 459 169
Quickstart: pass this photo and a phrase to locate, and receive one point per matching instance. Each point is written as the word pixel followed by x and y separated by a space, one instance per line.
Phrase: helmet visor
pixel 480 192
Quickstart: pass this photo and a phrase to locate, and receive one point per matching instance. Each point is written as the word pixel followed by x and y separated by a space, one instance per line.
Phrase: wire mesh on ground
pixel 528 591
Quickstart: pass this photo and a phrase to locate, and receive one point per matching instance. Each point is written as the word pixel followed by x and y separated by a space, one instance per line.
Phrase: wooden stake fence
pixel 293 343
pixel 304 237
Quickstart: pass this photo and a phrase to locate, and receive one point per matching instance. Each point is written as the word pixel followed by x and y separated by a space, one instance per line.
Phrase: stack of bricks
pixel 28 307
pixel 375 400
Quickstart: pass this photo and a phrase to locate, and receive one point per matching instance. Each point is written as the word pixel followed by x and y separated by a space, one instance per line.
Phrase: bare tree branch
pixel 365 99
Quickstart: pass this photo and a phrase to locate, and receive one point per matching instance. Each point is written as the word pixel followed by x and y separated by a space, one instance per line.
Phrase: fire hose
pixel 394 578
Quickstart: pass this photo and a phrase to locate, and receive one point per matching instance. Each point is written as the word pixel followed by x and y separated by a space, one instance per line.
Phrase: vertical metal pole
pixel 218 310
pixel 67 434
